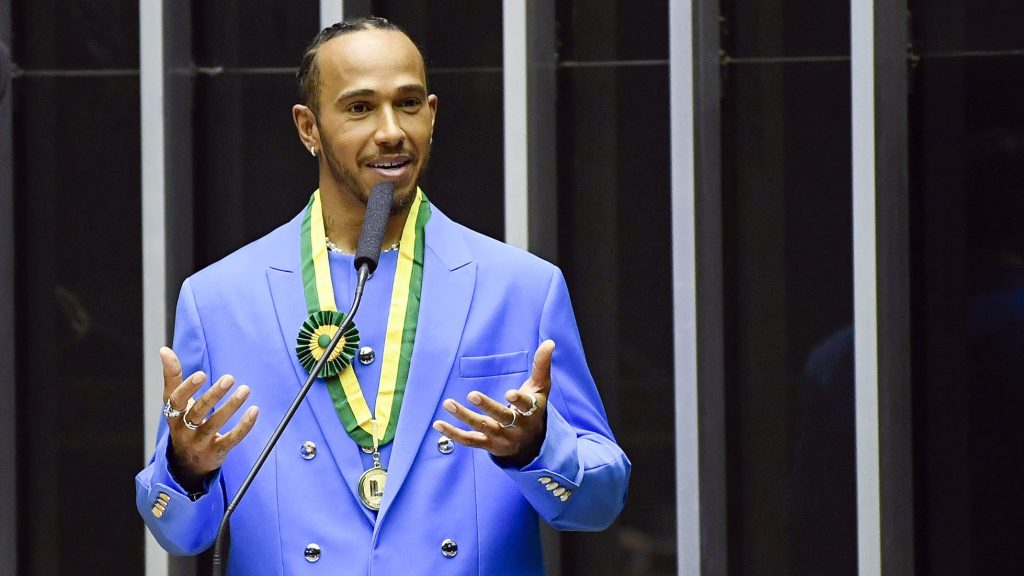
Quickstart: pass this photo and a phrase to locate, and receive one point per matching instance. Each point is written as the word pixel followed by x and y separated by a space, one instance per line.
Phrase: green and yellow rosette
pixel 314 336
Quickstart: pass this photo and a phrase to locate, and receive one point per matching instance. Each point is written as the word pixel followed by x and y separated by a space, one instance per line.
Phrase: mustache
pixel 386 153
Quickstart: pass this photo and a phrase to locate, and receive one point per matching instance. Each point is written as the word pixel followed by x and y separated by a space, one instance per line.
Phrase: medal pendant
pixel 371 487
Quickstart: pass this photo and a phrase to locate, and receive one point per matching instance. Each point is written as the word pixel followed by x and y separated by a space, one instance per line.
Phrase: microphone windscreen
pixel 378 211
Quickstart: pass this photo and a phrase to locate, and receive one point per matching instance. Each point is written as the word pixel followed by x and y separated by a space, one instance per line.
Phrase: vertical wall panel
pixel 865 281
pixel 517 165
pixel 8 415
pixel 892 255
pixel 882 303
pixel 684 279
pixel 155 295
pixel 166 74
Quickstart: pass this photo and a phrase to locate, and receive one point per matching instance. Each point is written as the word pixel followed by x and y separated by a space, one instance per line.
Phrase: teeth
pixel 387 164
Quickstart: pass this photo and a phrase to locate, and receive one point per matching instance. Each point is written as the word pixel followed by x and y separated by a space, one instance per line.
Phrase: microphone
pixel 371 236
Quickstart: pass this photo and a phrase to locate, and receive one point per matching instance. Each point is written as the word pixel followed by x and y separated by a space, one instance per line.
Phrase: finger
pixel 499 412
pixel 474 420
pixel 226 410
pixel 469 438
pixel 231 439
pixel 541 374
pixel 524 401
pixel 181 395
pixel 210 398
pixel 171 369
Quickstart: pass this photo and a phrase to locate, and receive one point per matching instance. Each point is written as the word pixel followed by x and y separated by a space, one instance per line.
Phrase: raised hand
pixel 197 446
pixel 513 431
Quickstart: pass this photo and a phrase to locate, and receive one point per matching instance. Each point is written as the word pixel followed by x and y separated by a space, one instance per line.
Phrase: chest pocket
pixel 495 365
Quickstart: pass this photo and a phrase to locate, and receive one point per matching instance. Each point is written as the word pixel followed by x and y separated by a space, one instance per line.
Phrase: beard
pixel 400 201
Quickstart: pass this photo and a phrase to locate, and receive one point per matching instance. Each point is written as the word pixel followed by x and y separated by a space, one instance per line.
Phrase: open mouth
pixel 391 166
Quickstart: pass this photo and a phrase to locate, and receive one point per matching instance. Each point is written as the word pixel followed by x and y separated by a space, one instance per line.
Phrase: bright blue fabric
pixel 483 304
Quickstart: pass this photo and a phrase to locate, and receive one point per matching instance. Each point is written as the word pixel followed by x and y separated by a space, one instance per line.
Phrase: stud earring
pixel 312 150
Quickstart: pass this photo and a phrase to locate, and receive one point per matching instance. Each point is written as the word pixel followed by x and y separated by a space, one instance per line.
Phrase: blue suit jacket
pixel 485 308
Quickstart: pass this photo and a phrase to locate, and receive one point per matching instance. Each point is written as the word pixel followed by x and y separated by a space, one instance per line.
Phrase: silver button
pixel 312 552
pixel 445 445
pixel 551 486
pixel 366 355
pixel 449 548
pixel 544 480
pixel 565 496
pixel 558 491
pixel 308 450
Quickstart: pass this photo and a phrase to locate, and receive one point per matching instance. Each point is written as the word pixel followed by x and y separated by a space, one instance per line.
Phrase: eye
pixel 412 104
pixel 359 108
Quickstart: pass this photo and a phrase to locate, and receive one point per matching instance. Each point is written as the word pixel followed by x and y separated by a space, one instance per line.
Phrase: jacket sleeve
pixel 580 477
pixel 181 525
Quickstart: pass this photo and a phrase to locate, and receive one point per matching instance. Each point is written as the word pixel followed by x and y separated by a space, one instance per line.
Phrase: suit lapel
pixel 448 282
pixel 290 306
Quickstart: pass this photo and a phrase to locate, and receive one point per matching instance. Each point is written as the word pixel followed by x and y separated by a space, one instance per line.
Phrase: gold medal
pixel 371 486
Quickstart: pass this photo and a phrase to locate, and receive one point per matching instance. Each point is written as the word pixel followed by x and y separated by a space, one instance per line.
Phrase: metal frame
pixel 698 300
pixel 869 554
pixel 517 145
pixel 331 11
pixel 154 285
pixel 165 75
pixel 881 287
pixel 684 280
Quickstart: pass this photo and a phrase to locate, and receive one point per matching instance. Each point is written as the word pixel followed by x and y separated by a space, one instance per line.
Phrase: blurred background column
pixel 8 414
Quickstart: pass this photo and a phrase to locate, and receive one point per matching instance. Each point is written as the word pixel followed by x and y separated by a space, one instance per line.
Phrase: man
pixel 448 315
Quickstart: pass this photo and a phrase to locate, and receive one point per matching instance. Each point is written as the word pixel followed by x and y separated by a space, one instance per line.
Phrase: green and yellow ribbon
pixel 325 319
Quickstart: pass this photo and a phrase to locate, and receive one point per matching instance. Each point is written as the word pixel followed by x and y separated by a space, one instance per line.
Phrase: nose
pixel 389 131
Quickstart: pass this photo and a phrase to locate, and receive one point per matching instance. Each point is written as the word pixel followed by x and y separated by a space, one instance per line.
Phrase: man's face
pixel 375 118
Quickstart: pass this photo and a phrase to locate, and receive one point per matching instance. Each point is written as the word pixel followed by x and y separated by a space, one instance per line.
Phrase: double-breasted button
pixel 312 552
pixel 449 548
pixel 160 504
pixel 308 450
pixel 445 445
pixel 366 355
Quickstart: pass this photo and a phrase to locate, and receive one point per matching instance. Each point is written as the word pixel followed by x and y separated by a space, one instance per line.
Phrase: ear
pixel 432 103
pixel 305 123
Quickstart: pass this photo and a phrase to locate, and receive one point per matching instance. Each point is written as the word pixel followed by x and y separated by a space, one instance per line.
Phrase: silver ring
pixel 533 406
pixel 184 417
pixel 512 424
pixel 170 411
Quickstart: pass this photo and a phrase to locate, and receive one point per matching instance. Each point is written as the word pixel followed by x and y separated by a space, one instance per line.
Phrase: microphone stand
pixel 364 275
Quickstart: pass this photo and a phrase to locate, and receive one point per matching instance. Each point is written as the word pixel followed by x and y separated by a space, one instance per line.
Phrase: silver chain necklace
pixel 331 246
